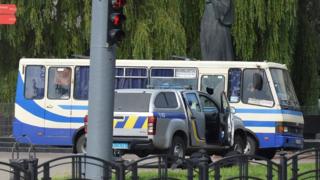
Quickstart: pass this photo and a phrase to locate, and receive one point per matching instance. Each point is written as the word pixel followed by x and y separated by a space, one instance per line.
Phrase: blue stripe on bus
pixel 268 111
pixel 257 123
pixel 21 129
pixel 74 107
pixel 36 110
pixel 140 122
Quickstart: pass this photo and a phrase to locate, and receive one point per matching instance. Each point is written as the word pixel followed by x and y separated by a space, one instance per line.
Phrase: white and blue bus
pixel 52 97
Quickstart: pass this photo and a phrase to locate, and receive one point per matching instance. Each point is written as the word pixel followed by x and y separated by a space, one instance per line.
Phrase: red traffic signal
pixel 7 14
pixel 115 20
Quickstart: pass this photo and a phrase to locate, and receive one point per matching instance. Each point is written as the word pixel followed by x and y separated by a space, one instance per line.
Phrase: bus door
pixel 58 102
pixel 30 105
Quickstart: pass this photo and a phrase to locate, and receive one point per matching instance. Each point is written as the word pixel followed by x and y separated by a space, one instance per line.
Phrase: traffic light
pixel 115 20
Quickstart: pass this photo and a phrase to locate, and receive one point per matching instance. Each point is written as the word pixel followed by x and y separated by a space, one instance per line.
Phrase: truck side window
pixel 193 102
pixel 234 84
pixel 166 100
pixel 34 82
pixel 250 94
pixel 208 105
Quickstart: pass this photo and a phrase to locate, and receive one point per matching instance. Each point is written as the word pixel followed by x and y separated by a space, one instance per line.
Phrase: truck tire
pixel 81 144
pixel 178 147
pixel 251 147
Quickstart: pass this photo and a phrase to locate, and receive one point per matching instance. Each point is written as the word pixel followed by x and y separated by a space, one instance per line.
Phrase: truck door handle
pixel 49 106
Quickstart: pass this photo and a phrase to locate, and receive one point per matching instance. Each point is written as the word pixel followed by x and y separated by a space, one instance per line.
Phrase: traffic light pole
pixel 101 90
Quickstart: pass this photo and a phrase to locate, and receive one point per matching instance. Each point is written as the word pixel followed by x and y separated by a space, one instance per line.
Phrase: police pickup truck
pixel 177 122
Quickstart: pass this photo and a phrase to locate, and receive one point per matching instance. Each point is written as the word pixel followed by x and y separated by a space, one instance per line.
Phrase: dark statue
pixel 215 36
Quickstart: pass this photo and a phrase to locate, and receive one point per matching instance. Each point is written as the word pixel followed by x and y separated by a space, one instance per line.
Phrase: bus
pixel 52 97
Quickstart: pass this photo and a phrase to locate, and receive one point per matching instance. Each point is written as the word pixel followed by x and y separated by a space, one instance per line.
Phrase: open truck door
pixel 227 126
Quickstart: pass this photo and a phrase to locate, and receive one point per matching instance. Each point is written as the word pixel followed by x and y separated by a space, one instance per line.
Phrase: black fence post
pixel 120 173
pixel 283 166
pixel 46 172
pixel 203 168
pixel 190 167
pixel 33 168
pixel 134 171
pixel 294 169
pixel 317 163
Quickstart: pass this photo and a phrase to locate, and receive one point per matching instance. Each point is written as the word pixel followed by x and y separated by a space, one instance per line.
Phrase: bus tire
pixel 251 147
pixel 81 144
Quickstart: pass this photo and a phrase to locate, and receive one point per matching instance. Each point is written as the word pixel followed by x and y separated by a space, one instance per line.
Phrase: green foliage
pixel 154 30
pixel 44 29
pixel 265 30
pixel 307 54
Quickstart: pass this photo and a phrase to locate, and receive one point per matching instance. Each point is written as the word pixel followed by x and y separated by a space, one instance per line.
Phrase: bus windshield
pixel 284 88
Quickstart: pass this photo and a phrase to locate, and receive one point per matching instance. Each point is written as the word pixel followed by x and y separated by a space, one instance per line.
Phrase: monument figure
pixel 215 36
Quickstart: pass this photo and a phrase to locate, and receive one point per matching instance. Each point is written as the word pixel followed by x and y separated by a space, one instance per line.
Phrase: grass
pixel 253 170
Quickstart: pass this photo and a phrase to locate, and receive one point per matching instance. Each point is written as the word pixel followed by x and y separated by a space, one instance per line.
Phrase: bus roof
pixel 159 63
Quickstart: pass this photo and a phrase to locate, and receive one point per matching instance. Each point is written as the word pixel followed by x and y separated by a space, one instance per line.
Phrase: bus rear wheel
pixel 81 144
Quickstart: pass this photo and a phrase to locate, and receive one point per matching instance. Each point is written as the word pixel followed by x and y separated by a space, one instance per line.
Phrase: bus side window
pixel 216 82
pixel 34 82
pixel 131 78
pixel 253 95
pixel 234 84
pixel 81 85
pixel 59 83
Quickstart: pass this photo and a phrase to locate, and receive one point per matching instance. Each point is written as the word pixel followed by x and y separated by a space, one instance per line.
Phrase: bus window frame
pixel 75 81
pixel 228 85
pixel 223 77
pixel 263 69
pixel 70 95
pixel 174 74
pixel 25 81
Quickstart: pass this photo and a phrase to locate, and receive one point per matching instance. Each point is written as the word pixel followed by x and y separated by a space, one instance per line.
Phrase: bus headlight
pixel 289 127
pixel 282 129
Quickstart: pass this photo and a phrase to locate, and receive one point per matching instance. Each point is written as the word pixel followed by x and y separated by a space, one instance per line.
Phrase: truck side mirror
pixel 257 81
pixel 209 90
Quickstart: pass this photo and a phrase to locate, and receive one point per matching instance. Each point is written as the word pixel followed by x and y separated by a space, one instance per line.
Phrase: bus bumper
pixel 279 141
pixel 289 142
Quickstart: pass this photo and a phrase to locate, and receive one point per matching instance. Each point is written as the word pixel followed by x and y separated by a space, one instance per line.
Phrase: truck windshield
pixel 284 88
pixel 131 102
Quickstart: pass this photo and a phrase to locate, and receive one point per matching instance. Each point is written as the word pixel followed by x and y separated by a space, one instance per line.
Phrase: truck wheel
pixel 178 147
pixel 81 144
pixel 251 146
